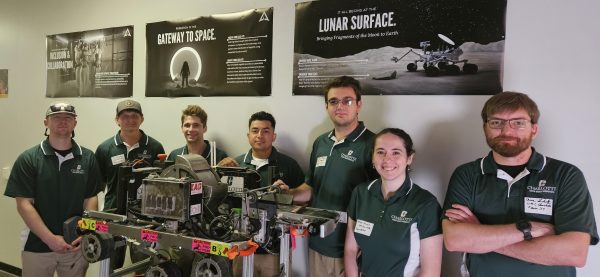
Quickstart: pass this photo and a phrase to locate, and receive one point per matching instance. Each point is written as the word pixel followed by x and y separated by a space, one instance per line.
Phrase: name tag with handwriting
pixel 538 205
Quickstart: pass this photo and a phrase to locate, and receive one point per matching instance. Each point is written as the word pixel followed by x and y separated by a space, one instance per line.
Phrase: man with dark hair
pixel 193 126
pixel 339 161
pixel 129 145
pixel 261 156
pixel 52 182
pixel 516 212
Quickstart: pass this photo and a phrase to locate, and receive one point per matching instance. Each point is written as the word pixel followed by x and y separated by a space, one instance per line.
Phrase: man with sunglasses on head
pixel 516 212
pixel 52 182
pixel 339 161
pixel 129 145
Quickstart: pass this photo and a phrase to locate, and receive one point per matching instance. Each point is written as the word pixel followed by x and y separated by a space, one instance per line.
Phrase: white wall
pixel 551 53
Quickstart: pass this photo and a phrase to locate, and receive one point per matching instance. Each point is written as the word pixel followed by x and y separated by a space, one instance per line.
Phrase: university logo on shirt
pixel 144 155
pixel 402 218
pixel 542 187
pixel 77 170
pixel 349 156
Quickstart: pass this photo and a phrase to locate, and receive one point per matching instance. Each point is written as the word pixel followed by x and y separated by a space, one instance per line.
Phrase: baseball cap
pixel 61 107
pixel 129 105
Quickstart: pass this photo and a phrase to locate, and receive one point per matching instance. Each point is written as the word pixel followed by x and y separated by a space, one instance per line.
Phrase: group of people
pixel 87 61
pixel 513 212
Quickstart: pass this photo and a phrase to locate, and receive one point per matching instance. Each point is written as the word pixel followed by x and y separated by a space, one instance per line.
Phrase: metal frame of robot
pixel 143 238
pixel 104 226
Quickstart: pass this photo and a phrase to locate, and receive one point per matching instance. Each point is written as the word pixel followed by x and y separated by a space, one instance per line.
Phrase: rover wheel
pixel 212 266
pixel 97 246
pixel 166 269
pixel 470 68
pixel 412 67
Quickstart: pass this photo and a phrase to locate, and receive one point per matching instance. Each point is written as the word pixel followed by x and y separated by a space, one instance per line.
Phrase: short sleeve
pixel 22 180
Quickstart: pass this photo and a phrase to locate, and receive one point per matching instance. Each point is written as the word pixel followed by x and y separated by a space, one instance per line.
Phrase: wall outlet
pixel 5 173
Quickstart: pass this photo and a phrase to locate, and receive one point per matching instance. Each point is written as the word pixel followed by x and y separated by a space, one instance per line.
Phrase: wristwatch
pixel 524 226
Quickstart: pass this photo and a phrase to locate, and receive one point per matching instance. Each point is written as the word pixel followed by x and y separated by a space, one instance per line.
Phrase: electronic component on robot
pixel 190 220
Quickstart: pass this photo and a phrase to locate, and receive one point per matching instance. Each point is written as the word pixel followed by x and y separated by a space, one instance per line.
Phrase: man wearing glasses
pixel 340 160
pixel 52 182
pixel 516 212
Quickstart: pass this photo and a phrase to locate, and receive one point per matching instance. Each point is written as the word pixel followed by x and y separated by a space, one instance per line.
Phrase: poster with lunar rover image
pixel 422 47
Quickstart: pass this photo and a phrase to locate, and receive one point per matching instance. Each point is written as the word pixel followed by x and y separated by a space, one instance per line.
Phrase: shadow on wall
pixel 446 145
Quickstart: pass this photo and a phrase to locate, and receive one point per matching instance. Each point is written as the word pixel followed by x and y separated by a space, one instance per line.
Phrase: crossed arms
pixel 463 232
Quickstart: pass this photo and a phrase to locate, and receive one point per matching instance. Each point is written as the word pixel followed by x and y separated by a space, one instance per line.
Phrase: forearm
pixel 302 193
pixel 350 251
pixel 33 220
pixel 567 249
pixel 350 266
pixel 91 204
pixel 479 238
pixel 431 256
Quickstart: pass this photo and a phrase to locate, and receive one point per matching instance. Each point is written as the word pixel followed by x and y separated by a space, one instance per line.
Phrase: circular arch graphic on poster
pixel 182 55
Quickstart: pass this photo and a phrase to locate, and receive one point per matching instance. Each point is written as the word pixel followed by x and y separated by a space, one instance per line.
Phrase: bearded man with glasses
pixel 517 212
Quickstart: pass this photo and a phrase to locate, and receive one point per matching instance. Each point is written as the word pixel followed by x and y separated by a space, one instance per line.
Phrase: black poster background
pixel 95 63
pixel 234 55
pixel 372 54
pixel 3 83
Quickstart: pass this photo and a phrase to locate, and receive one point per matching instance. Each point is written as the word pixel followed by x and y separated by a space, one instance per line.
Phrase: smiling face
pixel 391 158
pixel 192 128
pixel 509 141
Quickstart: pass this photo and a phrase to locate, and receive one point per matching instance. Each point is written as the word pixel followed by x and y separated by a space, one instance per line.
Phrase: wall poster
pixel 217 55
pixel 401 47
pixel 96 63
pixel 3 83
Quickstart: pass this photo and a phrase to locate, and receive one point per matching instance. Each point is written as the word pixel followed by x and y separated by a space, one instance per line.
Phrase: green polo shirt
pixel 336 169
pixel 112 153
pixel 289 170
pixel 206 154
pixel 547 190
pixel 58 190
pixel 389 232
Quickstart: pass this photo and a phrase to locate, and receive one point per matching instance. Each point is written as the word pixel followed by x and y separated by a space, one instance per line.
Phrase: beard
pixel 509 149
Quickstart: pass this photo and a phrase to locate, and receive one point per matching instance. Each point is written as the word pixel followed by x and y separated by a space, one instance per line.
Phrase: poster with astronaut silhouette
pixel 419 47
pixel 95 63
pixel 217 55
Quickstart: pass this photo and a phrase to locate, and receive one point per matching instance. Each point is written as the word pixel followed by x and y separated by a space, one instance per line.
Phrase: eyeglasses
pixel 517 123
pixel 346 101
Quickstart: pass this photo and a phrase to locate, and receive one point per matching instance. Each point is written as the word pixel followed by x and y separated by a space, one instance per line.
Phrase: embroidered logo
pixel 77 170
pixel 402 218
pixel 542 187
pixel 349 156
pixel 144 155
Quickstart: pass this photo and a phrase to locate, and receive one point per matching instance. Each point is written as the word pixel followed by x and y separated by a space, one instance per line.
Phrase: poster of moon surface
pixel 95 63
pixel 420 47
pixel 218 55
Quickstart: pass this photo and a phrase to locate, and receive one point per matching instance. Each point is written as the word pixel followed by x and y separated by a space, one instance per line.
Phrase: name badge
pixel 363 227
pixel 118 159
pixel 538 205
pixel 321 161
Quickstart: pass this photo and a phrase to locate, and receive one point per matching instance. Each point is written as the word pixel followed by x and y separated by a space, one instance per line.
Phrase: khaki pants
pixel 323 266
pixel 265 265
pixel 70 264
